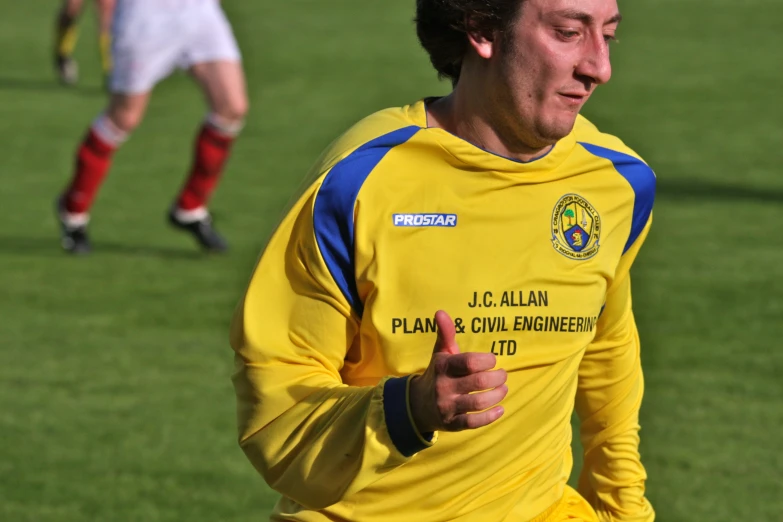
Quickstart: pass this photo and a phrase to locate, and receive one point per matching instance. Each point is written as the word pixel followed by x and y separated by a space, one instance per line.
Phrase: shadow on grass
pixel 693 189
pixel 45 85
pixel 50 247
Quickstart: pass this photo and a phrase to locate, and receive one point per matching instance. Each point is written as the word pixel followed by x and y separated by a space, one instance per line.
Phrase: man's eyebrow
pixel 586 18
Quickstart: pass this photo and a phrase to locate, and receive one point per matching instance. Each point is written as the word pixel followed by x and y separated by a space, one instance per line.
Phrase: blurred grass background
pixel 115 397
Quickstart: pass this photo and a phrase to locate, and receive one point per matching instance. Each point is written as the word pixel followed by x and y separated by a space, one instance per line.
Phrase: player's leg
pixel 93 160
pixel 145 50
pixel 224 87
pixel 65 35
pixel 215 65
pixel 105 15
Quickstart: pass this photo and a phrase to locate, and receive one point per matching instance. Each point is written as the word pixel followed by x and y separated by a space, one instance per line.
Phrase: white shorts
pixel 152 38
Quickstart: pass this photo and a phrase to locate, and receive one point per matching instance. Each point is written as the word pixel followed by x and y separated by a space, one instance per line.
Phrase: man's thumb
pixel 446 342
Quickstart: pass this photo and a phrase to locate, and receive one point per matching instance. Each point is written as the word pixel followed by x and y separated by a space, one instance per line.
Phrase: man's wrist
pixel 399 423
pixel 414 412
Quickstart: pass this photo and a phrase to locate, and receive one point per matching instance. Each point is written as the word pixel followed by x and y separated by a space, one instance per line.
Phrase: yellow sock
pixel 104 42
pixel 66 34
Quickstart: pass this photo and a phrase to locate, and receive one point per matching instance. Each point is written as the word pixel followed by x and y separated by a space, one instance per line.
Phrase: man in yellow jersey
pixel 495 223
pixel 66 34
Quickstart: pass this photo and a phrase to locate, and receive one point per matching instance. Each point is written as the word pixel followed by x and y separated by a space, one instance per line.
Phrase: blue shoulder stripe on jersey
pixel 642 180
pixel 333 214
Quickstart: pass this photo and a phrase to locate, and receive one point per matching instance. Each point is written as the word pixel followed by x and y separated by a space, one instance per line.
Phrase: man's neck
pixel 463 116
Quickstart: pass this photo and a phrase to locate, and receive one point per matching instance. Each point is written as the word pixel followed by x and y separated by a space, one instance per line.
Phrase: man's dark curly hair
pixel 441 26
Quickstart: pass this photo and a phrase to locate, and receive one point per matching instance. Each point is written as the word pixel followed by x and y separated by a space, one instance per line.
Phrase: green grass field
pixel 115 397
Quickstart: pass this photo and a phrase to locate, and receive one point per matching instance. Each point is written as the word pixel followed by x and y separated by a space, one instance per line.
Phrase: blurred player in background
pixel 501 205
pixel 151 39
pixel 67 32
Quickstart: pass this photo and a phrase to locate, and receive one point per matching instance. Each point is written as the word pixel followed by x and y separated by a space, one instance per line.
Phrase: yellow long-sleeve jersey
pixel 530 259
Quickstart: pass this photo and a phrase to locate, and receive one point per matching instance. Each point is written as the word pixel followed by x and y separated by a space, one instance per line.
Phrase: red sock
pixel 212 151
pixel 92 163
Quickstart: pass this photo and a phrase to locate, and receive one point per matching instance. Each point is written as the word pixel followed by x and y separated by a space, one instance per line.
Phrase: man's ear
pixel 482 42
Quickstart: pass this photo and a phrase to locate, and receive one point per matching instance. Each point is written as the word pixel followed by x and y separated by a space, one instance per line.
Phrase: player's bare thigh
pixel 105 14
pixel 223 84
pixel 72 8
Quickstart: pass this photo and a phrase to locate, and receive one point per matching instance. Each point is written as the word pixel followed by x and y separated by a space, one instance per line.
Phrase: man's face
pixel 548 64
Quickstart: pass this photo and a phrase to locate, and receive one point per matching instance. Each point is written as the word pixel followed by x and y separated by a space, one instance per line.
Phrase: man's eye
pixel 568 35
pixel 610 38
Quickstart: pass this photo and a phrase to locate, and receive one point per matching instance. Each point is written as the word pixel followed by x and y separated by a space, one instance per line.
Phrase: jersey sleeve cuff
pixel 399 421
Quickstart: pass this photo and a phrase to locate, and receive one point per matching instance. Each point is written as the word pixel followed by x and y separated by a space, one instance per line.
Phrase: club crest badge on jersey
pixel 576 227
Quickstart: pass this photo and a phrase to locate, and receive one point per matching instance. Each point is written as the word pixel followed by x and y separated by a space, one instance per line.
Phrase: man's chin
pixel 553 131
